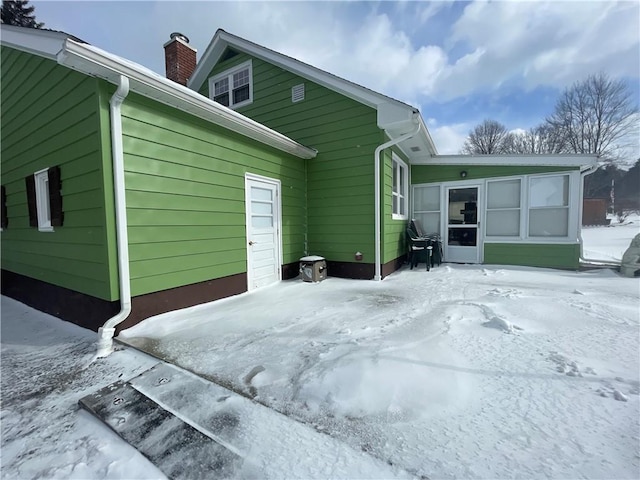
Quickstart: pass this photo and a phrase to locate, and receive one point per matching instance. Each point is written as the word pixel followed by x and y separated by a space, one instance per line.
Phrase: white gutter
pixel 106 332
pixel 376 155
pixel 583 174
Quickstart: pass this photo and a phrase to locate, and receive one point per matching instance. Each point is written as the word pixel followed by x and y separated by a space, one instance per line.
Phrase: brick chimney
pixel 179 58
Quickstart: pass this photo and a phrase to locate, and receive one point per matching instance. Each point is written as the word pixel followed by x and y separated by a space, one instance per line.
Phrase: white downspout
pixel 106 332
pixel 588 171
pixel 376 155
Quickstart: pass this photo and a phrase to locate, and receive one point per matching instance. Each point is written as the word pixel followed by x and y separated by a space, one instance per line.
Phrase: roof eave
pixel 96 62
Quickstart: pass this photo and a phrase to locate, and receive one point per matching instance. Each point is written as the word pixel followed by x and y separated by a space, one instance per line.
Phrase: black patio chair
pixel 431 239
pixel 420 250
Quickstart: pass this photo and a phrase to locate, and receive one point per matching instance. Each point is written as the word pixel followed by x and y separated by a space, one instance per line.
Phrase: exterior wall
pixel 564 256
pixel 393 231
pixel 537 252
pixel 186 199
pixel 451 173
pixel 52 116
pixel 339 181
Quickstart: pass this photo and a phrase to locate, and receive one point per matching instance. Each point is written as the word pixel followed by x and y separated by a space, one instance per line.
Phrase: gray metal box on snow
pixel 313 268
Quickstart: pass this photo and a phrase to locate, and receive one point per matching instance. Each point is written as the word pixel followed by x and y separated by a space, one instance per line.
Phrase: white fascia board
pixel 96 62
pixel 43 43
pixel 551 160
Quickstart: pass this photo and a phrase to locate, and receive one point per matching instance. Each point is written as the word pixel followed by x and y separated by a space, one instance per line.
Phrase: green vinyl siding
pixel 52 116
pixel 451 173
pixel 566 256
pixel 340 193
pixel 393 231
pixel 185 181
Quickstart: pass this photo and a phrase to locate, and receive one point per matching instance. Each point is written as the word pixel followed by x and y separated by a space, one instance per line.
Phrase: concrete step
pixel 192 428
pixel 166 440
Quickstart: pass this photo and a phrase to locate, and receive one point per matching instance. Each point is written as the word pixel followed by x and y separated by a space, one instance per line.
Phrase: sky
pixel 458 62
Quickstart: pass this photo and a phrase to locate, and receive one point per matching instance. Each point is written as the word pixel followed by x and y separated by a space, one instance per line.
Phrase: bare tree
pixel 594 116
pixel 489 137
pixel 537 140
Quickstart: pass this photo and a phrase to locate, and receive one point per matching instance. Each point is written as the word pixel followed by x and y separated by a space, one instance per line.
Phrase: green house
pixel 126 194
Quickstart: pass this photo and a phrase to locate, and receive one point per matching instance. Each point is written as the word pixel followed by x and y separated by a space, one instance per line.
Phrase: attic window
pixel 297 93
pixel 234 87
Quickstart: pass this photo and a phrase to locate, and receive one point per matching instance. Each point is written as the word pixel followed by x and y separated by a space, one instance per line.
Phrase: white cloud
pixel 449 139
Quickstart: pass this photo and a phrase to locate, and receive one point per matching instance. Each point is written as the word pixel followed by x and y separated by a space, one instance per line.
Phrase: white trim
pixel 479 184
pixel 277 221
pixel 96 62
pixel 228 74
pixel 44 43
pixel 551 160
pixel 402 196
pixel 43 203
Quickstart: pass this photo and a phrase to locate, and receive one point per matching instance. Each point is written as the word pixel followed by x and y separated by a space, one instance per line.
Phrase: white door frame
pixel 479 184
pixel 277 217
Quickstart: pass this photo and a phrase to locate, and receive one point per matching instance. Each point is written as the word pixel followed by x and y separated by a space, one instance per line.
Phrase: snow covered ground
pixel 461 372
pixel 609 243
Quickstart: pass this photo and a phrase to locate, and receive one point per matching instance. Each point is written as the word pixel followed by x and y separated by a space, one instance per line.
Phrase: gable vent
pixel 415 149
pixel 297 93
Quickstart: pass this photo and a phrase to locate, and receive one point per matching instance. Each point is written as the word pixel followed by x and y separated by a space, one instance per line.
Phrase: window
pixel 426 207
pixel 44 199
pixel 4 220
pixel 400 177
pixel 549 206
pixel 233 88
pixel 503 208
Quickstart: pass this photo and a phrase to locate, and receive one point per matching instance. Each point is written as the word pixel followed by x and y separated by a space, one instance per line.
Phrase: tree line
pixel 593 116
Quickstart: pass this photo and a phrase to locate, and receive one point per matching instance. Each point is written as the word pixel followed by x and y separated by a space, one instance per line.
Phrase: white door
pixel 462 222
pixel 263 231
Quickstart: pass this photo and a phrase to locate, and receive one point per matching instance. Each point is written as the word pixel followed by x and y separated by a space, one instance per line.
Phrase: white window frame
pixel 523 209
pixel 415 213
pixel 570 212
pixel 41 180
pixel 228 74
pixel 403 197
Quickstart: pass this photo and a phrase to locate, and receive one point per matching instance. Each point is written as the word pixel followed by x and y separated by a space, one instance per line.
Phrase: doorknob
pixel 251 242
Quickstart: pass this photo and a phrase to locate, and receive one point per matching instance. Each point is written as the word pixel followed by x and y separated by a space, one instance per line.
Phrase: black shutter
pixel 4 220
pixel 55 197
pixel 31 200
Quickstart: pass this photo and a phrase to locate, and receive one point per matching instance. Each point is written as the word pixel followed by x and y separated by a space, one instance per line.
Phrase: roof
pixel 72 52
pixel 394 116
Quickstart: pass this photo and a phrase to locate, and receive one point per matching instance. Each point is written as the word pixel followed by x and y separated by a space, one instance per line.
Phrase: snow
pixel 609 243
pixel 465 371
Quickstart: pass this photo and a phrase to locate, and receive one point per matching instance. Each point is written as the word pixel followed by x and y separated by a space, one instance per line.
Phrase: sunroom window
pixel 426 207
pixel 503 208
pixel 399 188
pixel 234 87
pixel 549 206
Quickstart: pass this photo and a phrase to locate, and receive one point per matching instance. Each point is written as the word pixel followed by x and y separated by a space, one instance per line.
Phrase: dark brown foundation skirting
pixel 393 265
pixel 91 312
pixel 145 306
pixel 290 270
pixel 84 310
